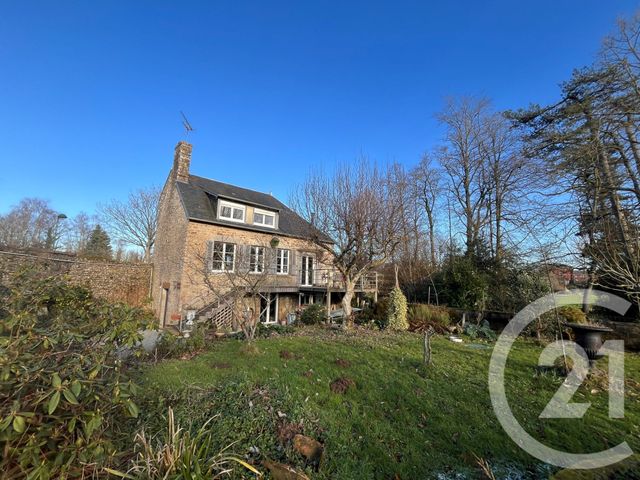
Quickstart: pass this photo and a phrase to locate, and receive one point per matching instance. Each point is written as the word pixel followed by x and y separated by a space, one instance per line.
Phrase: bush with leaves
pixel 397 313
pixel 550 324
pixel 464 282
pixel 422 316
pixel 482 331
pixel 266 331
pixel 63 390
pixel 173 346
pixel 380 313
pixel 313 314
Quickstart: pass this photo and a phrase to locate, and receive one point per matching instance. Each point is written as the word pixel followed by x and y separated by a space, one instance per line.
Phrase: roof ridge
pixel 234 186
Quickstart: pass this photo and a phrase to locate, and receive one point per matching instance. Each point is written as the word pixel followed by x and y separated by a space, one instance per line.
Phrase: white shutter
pixel 293 262
pixel 245 255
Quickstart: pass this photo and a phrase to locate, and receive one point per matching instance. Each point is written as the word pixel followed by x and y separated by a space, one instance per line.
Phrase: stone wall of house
pixel 195 288
pixel 120 282
pixel 168 254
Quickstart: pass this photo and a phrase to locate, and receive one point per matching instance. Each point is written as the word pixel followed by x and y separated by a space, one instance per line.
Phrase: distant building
pixel 564 276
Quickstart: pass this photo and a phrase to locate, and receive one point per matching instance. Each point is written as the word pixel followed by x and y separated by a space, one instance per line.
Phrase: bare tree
pixel 427 184
pixel 134 221
pixel 623 50
pixel 410 255
pixel 30 223
pixel 508 176
pixel 463 162
pixel 356 207
pixel 78 231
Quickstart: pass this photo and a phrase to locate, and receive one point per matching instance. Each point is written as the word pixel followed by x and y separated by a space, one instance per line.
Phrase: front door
pixel 269 308
pixel 306 270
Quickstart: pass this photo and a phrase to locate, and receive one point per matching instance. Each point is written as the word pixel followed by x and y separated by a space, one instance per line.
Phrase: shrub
pixel 375 315
pixel 546 325
pixel 266 331
pixel 181 454
pixel 313 314
pixel 397 313
pixel 381 308
pixel 172 346
pixel 482 331
pixel 364 317
pixel 572 313
pixel 463 282
pixel 422 316
pixel 64 391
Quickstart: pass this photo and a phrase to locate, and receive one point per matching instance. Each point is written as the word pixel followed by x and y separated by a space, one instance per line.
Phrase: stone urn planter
pixel 589 337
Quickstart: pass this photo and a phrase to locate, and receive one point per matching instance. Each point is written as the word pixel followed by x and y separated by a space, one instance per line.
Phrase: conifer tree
pixel 99 245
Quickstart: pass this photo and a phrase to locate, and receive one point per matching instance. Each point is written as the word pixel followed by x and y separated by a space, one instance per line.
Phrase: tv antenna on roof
pixel 187 126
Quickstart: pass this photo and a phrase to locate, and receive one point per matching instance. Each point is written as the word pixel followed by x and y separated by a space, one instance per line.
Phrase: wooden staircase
pixel 218 314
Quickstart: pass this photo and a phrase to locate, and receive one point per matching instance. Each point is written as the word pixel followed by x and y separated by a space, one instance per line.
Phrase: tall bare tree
pixel 508 174
pixel 134 221
pixel 462 159
pixel 427 184
pixel 410 253
pixel 357 208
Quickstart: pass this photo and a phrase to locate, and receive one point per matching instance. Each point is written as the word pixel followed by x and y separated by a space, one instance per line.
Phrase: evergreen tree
pixel 99 245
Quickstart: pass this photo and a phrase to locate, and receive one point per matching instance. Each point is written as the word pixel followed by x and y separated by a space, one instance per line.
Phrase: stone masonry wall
pixel 168 254
pixel 194 292
pixel 118 282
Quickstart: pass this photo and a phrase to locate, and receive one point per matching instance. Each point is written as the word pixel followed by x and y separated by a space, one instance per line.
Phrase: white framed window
pixel 256 259
pixel 233 212
pixel 282 261
pixel 264 218
pixel 223 257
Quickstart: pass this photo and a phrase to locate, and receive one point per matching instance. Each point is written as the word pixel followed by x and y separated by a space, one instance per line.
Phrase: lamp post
pixel 52 233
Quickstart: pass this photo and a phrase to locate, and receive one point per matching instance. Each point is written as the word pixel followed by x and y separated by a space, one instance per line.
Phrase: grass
pixel 399 419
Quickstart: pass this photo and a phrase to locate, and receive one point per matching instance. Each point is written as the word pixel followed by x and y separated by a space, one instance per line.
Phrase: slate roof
pixel 200 196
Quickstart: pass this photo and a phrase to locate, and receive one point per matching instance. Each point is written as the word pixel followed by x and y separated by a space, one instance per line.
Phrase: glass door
pixel 306 270
pixel 269 308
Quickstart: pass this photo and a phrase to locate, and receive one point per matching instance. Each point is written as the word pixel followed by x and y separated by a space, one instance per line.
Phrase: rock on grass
pixel 308 447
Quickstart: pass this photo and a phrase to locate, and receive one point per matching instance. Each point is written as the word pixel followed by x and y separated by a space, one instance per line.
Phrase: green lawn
pixel 399 419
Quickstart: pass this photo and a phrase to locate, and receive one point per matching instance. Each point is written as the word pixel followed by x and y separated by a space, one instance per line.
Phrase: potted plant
pixel 587 335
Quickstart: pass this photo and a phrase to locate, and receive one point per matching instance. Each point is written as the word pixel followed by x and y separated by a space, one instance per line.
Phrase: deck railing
pixel 332 279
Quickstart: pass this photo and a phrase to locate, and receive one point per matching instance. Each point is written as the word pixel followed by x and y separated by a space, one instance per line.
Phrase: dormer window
pixel 264 218
pixel 233 212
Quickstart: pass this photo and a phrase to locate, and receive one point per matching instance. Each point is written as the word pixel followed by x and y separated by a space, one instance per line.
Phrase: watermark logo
pixel 560 405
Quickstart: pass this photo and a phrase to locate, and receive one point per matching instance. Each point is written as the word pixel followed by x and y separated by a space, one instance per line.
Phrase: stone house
pixel 214 238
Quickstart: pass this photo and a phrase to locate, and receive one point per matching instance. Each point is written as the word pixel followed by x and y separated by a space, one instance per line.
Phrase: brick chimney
pixel 181 161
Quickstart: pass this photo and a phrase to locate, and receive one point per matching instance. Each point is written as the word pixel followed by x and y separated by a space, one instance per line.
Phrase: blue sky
pixel 91 91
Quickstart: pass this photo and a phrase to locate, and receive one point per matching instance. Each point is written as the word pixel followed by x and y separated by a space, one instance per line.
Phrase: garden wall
pixel 627 331
pixel 115 281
